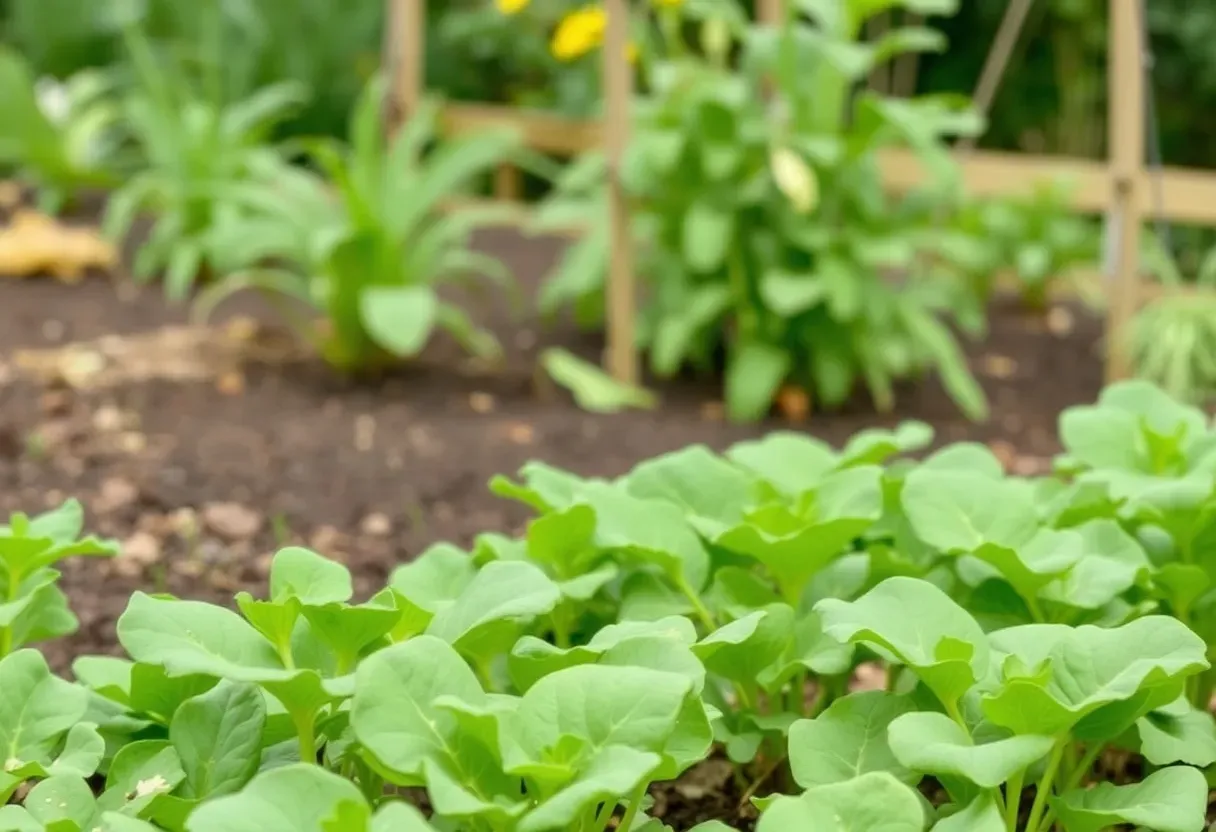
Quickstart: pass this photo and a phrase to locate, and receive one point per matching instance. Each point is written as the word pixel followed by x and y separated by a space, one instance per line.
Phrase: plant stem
pixel 760 780
pixel 1044 787
pixel 635 806
pixel 1013 800
pixel 702 612
pixel 308 741
pixel 954 713
pixel 1082 768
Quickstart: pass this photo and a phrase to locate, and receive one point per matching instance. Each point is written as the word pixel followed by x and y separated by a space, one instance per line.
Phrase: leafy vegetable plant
pixel 764 231
pixel 1031 632
pixel 197 152
pixel 372 255
pixel 61 138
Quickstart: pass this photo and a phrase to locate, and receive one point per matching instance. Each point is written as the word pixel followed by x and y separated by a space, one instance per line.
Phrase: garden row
pixel 766 243
pixel 1032 631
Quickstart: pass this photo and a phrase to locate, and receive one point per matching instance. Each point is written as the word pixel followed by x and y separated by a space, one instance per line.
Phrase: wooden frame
pixel 1118 185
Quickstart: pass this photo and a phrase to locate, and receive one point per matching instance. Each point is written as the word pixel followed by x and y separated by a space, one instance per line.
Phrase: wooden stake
pixel 1125 124
pixel 998 60
pixel 406 53
pixel 622 359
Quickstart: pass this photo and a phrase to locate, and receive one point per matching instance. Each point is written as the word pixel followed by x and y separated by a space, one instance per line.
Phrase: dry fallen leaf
pixel 34 243
pixel 794 404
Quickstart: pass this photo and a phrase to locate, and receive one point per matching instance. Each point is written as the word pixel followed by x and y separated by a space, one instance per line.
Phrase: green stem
pixel 561 633
pixel 1013 800
pixel 1077 775
pixel 12 591
pixel 797 701
pixel 954 713
pixel 1044 786
pixel 306 728
pixel 635 806
pixel 699 609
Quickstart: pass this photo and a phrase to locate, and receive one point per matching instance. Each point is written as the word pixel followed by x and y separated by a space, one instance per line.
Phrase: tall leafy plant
pixel 197 150
pixel 762 218
pixel 372 252
pixel 60 138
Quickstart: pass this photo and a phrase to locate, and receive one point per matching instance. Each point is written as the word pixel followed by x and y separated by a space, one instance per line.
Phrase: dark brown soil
pixel 204 478
pixel 209 476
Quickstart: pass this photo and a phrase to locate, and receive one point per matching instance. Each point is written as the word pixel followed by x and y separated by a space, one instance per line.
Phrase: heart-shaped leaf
pixel 847 740
pixel 1170 800
pixel 933 743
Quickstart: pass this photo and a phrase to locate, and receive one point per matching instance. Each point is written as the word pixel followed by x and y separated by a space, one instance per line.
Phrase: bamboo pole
pixel 1127 140
pixel 622 358
pixel 407 54
pixel 998 61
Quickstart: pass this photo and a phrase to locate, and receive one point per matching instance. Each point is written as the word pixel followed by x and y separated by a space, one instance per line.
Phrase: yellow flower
pixel 510 7
pixel 668 4
pixel 578 33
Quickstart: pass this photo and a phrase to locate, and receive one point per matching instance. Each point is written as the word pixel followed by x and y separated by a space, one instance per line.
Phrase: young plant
pixel 764 231
pixel 60 138
pixel 1172 341
pixel 33 608
pixel 1036 236
pixel 993 712
pixel 372 255
pixel 197 152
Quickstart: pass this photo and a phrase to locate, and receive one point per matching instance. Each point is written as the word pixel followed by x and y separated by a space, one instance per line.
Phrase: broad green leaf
pixel 662 645
pixel 874 802
pixel 599 705
pixel 396 816
pixel 874 446
pixel 980 815
pixel 432 580
pixel 294 798
pixel 393 712
pixel 707 234
pixel 399 318
pixel 486 618
pixel 218 736
pixel 919 626
pixel 649 530
pixel 349 630
pixel 1111 563
pixel 791 462
pixel 810 649
pixel 1178 733
pixel 193 637
pixel 959 512
pixel 62 798
pixel 697 480
pixel 754 373
pixel 301 573
pixel 140 773
pixel 1092 680
pixel 36 709
pixel 933 743
pixel 614 771
pixel 847 740
pixel 593 389
pixel 1170 800
pixel 740 650
pixel 794 546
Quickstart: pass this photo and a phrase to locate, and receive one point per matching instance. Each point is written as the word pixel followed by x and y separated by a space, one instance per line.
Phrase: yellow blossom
pixel 510 7
pixel 578 33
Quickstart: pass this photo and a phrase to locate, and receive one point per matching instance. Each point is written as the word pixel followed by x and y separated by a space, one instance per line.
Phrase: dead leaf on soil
pixel 794 404
pixel 998 366
pixel 173 353
pixel 10 194
pixel 34 243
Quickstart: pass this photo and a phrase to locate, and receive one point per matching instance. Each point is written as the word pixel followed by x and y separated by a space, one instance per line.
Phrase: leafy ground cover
pixel 1026 631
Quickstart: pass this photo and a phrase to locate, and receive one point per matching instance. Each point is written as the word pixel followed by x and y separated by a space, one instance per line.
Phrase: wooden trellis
pixel 1116 187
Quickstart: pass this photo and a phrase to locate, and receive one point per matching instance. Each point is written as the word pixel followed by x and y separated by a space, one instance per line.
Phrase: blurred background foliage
pixel 1053 99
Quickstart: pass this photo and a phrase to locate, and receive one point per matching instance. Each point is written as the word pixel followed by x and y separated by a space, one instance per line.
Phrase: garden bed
pixel 204 477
